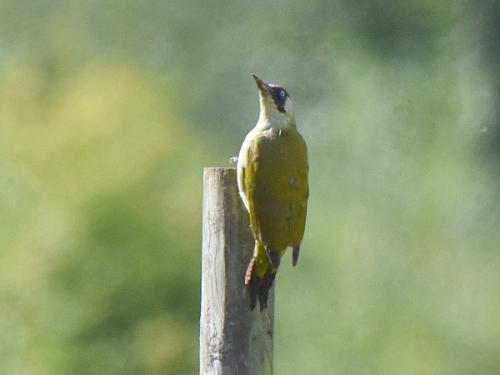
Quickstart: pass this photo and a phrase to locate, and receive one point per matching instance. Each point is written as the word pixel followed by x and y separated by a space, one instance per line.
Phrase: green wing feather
pixel 277 188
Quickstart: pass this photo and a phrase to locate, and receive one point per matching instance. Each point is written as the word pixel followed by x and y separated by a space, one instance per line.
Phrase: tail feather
pixel 295 255
pixel 274 257
pixel 259 288
pixel 266 284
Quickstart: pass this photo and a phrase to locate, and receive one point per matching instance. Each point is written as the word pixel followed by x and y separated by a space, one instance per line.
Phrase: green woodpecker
pixel 272 182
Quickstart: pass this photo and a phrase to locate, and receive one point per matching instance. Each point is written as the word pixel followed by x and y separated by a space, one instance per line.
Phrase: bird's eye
pixel 282 93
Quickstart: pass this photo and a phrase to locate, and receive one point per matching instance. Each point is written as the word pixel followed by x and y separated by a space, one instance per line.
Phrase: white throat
pixel 271 118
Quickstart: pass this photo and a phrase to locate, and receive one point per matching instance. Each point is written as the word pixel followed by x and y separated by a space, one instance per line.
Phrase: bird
pixel 272 178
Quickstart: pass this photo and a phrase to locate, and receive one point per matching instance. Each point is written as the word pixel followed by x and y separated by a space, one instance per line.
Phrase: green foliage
pixel 109 111
pixel 98 245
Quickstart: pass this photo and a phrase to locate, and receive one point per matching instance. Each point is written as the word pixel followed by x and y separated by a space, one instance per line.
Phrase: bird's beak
pixel 263 87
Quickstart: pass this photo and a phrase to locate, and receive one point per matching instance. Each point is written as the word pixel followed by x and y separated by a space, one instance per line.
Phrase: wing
pixel 276 187
pixel 242 166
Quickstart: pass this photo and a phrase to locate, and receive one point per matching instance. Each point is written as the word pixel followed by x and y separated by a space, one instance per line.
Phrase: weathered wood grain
pixel 233 339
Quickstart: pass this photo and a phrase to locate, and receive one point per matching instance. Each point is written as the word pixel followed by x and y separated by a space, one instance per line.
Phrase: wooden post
pixel 233 339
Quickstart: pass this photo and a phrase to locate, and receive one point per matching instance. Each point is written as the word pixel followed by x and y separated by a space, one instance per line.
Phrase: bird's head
pixel 275 104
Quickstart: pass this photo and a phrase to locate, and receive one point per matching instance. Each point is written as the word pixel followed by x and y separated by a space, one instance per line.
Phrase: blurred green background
pixel 109 110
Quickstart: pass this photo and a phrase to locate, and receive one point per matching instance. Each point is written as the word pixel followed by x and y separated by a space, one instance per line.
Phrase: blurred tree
pixel 487 19
pixel 99 157
pixel 109 111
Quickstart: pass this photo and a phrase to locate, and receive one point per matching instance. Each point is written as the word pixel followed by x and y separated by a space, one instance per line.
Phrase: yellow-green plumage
pixel 276 188
pixel 272 181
